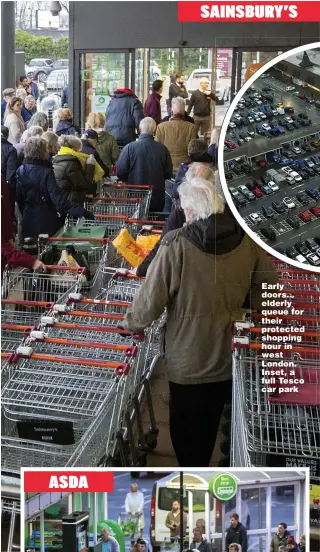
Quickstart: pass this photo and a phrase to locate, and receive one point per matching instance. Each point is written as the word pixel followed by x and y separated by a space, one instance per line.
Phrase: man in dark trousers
pixel 200 102
pixel 177 89
pixel 237 534
pixel 199 542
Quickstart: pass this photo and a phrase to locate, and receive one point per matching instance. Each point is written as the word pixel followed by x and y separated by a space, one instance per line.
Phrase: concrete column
pixel 8 58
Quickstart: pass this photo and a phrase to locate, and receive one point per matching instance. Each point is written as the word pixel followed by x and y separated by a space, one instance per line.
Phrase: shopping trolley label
pixel 278 461
pixel 56 433
pixel 305 437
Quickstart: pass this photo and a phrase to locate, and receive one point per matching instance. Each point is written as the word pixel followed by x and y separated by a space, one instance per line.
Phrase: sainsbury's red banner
pixel 249 11
pixel 65 480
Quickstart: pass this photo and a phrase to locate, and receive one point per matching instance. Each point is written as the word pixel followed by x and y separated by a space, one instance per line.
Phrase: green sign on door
pixel 223 486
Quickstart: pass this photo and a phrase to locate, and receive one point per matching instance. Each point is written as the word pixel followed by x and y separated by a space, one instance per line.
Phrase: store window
pixel 163 64
pixel 52 527
pixel 139 72
pixel 101 74
pixel 253 58
pixel 282 501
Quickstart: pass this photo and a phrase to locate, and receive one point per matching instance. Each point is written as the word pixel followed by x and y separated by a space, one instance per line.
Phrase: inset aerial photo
pixel 272 157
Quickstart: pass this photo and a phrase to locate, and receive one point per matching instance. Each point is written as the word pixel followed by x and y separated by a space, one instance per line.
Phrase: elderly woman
pixel 107 146
pixel 39 119
pixel 32 131
pixel 14 121
pixel 74 176
pixel 65 125
pixel 52 142
pixel 22 94
pixel 38 196
pixel 199 276
pixel 30 105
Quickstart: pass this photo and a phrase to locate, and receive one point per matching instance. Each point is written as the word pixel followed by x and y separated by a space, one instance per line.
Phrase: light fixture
pixel 54 8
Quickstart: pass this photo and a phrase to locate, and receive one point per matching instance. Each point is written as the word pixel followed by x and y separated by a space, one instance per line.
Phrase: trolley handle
pixel 88 301
pixel 85 314
pixel 110 217
pixel 116 199
pixel 105 329
pixel 127 274
pixel 129 186
pixel 24 303
pixel 130 351
pixel 82 239
pixel 147 222
pixel 17 327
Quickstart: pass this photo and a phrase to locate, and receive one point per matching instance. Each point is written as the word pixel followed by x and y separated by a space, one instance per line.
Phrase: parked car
pixel 274 187
pixel 289 203
pixel 303 198
pixel 312 244
pixel 315 143
pixel 255 218
pixel 313 193
pixel 60 64
pixel 293 221
pixel 266 189
pixel 246 193
pixel 305 216
pixel 268 233
pixel 313 259
pixel 267 211
pixel 302 248
pixel 261 163
pixel 315 211
pixel 278 206
pixel 39 68
pixel 57 79
pixel 305 147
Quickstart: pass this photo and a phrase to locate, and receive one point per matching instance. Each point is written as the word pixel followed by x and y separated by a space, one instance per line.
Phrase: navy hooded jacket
pixel 66 128
pixel 123 115
pixel 40 199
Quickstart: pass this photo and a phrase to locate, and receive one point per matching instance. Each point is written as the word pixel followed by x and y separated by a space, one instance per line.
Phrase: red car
pixel 230 144
pixel 315 211
pixel 257 192
pixel 261 163
pixel 302 96
pixel 305 216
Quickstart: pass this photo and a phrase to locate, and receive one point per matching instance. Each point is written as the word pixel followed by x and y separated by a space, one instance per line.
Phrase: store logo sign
pixel 68 480
pixel 223 486
pixel 71 482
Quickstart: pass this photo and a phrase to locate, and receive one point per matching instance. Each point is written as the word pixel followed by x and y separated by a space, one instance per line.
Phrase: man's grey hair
pixel 200 199
pixel 21 93
pixel 148 126
pixel 35 148
pixel 206 171
pixel 178 106
pixel 29 98
pixel 70 141
pixel 197 145
pixel 39 119
pixel 33 131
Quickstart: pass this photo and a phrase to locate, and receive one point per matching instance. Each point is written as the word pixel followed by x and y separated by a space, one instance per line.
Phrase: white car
pixel 296 176
pixel 248 138
pixel 275 112
pixel 289 203
pixel 232 125
pixel 280 111
pixel 288 120
pixel 257 118
pixel 263 116
pixel 265 126
pixel 250 119
pixel 274 187
pixel 258 102
pixel 287 170
pixel 237 116
pixel 255 218
pixel 296 150
pixel 290 88
pixel 301 259
pixel 57 79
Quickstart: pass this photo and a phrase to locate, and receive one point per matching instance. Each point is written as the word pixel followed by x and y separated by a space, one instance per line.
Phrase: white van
pixel 198 504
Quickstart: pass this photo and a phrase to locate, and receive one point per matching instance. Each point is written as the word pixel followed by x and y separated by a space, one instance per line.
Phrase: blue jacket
pixel 3 108
pixel 40 199
pixel 66 127
pixel 35 90
pixel 146 162
pixel 25 114
pixel 123 116
pixel 64 96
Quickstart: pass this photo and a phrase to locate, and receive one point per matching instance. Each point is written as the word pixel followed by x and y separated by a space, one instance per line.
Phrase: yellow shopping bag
pixel 148 242
pixel 126 245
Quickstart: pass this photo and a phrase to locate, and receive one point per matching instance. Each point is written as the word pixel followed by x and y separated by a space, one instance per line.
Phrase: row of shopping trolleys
pixel 68 375
pixel 273 425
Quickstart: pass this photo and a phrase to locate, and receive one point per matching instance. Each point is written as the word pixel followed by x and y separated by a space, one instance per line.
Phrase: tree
pixel 61 48
pixel 34 46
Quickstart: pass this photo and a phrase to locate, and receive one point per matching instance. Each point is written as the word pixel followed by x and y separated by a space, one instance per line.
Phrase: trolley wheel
pixel 226 430
pixel 224 462
pixel 225 446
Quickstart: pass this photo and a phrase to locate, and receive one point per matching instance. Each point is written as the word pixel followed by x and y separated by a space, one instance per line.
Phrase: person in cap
pixel 89 141
pixel 7 94
pixel 292 545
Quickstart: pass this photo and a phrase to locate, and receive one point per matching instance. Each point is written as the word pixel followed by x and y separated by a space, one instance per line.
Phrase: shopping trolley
pixel 121 190
pixel 130 525
pixel 130 207
pixel 272 423
pixel 10 510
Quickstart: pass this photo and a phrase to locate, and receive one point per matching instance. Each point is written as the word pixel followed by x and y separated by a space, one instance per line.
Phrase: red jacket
pixel 152 107
pixel 14 258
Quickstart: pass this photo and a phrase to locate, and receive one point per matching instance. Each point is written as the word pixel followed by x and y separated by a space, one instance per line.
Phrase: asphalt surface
pixel 286 236
pixel 260 144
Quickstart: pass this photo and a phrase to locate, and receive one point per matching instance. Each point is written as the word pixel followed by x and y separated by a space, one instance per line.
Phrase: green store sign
pixel 223 486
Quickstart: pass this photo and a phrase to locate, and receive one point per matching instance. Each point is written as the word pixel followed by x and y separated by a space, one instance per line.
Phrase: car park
pixel 289 203
pixel 293 221
pixel 268 233
pixel 255 218
pixel 305 216
pixel 278 206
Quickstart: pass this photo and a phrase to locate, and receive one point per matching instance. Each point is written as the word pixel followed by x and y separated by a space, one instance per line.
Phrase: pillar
pixel 8 58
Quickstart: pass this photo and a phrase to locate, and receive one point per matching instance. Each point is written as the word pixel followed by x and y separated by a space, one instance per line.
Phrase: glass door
pixel 101 73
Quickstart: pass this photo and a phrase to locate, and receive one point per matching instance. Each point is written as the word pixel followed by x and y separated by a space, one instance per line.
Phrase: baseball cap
pixel 291 540
pixel 8 91
pixel 90 133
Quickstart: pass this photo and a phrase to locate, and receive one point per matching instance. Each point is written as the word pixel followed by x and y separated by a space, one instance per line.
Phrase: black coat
pixel 40 199
pixel 66 128
pixel 237 535
pixel 74 181
pixel 146 162
pixel 123 116
pixel 9 164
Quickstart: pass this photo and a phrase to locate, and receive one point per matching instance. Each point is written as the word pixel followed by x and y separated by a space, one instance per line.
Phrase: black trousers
pixel 195 412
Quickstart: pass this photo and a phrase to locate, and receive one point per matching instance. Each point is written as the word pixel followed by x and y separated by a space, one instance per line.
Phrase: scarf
pixel 82 157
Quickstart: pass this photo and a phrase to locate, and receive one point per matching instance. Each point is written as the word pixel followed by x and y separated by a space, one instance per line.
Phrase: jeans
pixel 195 412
